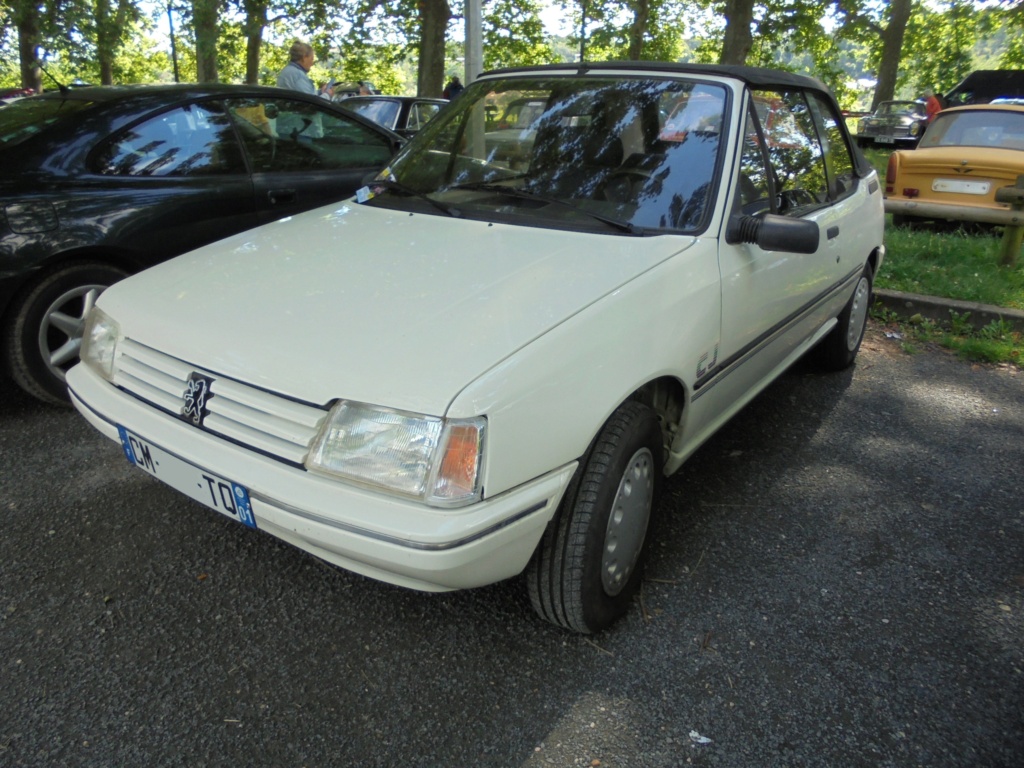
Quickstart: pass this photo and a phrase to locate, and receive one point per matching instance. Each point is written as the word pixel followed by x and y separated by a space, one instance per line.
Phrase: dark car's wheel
pixel 589 563
pixel 839 349
pixel 45 336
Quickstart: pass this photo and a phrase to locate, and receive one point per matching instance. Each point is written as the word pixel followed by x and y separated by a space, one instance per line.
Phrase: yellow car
pixel 966 154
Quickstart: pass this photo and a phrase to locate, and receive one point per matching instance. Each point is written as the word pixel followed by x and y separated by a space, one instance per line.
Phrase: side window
pixel 838 160
pixel 189 141
pixel 754 187
pixel 281 135
pixel 420 113
pixel 794 152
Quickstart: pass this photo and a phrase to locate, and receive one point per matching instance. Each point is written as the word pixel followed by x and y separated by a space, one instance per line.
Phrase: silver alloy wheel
pixel 858 313
pixel 627 523
pixel 60 333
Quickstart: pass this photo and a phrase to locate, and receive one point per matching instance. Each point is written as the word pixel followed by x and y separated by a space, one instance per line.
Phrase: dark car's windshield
pixel 27 117
pixel 977 128
pixel 623 153
pixel 899 108
pixel 381 111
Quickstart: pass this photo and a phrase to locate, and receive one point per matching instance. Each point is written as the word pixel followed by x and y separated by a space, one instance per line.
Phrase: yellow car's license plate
pixel 961 186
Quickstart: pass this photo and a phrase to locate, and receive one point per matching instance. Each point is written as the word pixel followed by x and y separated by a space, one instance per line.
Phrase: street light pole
pixel 474 41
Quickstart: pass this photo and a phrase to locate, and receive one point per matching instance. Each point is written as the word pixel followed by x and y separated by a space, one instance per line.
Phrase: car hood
pixel 386 307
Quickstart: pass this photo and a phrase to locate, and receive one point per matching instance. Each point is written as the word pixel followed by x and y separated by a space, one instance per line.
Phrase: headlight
pixel 99 343
pixel 424 457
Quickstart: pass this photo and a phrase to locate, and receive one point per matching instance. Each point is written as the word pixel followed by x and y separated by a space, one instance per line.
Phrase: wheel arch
pixel 114 257
pixel 667 397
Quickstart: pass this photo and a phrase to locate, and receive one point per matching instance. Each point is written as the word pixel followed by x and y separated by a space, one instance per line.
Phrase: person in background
pixel 295 75
pixel 364 88
pixel 453 89
pixel 932 105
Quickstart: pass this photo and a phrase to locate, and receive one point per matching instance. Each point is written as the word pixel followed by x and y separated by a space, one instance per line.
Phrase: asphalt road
pixel 838 580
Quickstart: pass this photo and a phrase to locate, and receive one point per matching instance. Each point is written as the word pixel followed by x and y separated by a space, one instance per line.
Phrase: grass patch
pixel 960 265
pixel 953 265
pixel 995 343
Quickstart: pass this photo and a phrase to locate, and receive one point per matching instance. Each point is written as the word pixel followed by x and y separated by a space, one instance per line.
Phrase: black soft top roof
pixel 753 76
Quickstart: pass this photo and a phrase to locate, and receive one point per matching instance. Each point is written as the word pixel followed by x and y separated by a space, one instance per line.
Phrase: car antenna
pixel 63 88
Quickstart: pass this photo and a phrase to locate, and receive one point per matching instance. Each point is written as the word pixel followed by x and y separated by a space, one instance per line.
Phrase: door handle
pixel 276 196
pixel 833 232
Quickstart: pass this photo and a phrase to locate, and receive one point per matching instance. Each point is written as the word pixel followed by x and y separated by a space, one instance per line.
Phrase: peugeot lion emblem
pixel 197 394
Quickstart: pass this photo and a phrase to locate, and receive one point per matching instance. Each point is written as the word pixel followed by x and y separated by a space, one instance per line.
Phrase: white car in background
pixel 469 370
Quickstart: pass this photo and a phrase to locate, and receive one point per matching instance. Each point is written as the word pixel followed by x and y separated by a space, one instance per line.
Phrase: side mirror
pixel 772 232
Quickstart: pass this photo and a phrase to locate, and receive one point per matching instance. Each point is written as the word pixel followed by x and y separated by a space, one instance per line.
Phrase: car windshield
pixel 621 154
pixel 977 128
pixel 898 108
pixel 27 117
pixel 381 111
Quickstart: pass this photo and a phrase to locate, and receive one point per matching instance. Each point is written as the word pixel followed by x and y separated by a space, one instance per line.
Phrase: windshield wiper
pixel 397 186
pixel 490 186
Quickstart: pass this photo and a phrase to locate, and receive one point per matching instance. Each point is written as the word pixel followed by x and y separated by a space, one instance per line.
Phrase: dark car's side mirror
pixel 772 232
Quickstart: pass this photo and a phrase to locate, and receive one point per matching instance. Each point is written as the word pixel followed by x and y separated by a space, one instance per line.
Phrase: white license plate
pixel 962 186
pixel 884 140
pixel 226 497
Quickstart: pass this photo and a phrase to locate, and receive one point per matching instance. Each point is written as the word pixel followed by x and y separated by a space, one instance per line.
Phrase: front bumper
pixel 887 138
pixel 383 537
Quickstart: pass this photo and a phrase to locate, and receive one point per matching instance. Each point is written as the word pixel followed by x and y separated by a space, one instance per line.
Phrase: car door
pixel 793 164
pixel 166 184
pixel 303 155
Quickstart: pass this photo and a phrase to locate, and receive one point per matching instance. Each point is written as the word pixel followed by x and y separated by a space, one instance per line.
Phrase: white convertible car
pixel 469 370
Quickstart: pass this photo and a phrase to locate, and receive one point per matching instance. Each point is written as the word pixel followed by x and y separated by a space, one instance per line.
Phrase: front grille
pixel 267 423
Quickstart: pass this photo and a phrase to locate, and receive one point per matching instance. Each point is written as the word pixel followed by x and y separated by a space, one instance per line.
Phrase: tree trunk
pixel 255 23
pixel 637 30
pixel 892 49
pixel 434 16
pixel 739 15
pixel 205 17
pixel 110 35
pixel 29 41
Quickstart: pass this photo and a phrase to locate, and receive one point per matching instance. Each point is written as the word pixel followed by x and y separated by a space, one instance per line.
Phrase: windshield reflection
pixel 640 154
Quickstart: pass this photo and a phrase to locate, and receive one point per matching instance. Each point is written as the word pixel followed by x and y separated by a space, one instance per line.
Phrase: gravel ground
pixel 838 580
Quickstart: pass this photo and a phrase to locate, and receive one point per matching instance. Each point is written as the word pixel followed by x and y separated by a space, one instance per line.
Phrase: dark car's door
pixel 166 185
pixel 304 155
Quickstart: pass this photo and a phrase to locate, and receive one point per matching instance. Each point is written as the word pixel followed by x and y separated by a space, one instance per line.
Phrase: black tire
pixel 589 564
pixel 43 340
pixel 838 350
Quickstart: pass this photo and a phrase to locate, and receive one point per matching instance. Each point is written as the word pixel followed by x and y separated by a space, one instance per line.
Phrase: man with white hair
pixel 295 75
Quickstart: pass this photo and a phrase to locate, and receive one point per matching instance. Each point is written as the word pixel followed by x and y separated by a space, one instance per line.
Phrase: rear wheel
pixel 589 563
pixel 45 337
pixel 839 349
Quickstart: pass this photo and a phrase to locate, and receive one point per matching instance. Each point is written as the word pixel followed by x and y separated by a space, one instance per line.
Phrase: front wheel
pixel 589 563
pixel 45 336
pixel 839 348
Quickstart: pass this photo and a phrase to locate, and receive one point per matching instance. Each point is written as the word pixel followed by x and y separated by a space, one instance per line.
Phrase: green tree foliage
pixel 623 30
pixel 513 34
pixel 938 51
pixel 414 45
